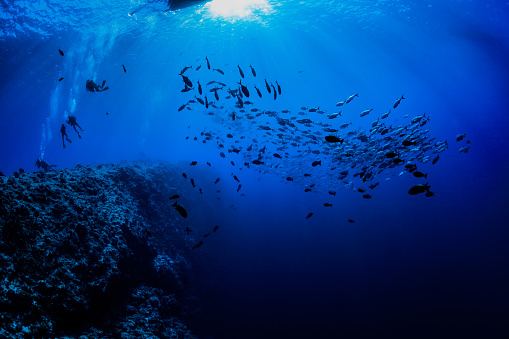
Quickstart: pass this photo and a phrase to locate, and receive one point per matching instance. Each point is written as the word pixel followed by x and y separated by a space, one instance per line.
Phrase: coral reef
pixel 93 252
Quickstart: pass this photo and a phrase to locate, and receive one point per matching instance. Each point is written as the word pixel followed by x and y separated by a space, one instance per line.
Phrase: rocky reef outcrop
pixel 93 252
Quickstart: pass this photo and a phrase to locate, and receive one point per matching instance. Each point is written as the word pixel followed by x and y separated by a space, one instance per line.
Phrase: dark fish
pixel 327 204
pixel 186 89
pixel 374 185
pixel 435 160
pixel 193 163
pixel 253 70
pixel 418 174
pixel 217 180
pixel 215 229
pixel 192 183
pixel 257 162
pixel 216 95
pixel 307 190
pixel 60 51
pixel 367 196
pixel 351 221
pixel 206 102
pixel 198 68
pixel 182 107
pixel 429 194
pixel 397 161
pixel 148 233
pixel 184 69
pixel 245 91
pixel 208 234
pixel 331 192
pixel 309 215
pixel 199 189
pixel 366 112
pixel 408 143
pixel 333 138
pixel 236 179
pixel 199 100
pixel 350 98
pixel 275 94
pixel 222 155
pixel 60 79
pixel 361 190
pixel 289 179
pixel 208 163
pixel 411 166
pixel 197 245
pixel 419 189
pixel 240 71
pixel 397 102
pixel 176 196
pixel 238 188
pixel 187 81
pixel 180 209
pixel 199 87
pixel 267 85
pixel 184 175
pixel 229 135
pixel 277 156
pixel 218 70
pixel 258 91
pixel 391 155
pixel 125 71
pixel 307 174
pixel 316 163
pixel 278 88
pixel 187 230
pixel 208 63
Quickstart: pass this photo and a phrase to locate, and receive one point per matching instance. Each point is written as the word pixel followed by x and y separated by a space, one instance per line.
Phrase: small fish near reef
pixel 198 245
pixel 180 209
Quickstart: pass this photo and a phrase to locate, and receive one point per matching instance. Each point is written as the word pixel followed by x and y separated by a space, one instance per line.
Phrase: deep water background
pixel 409 266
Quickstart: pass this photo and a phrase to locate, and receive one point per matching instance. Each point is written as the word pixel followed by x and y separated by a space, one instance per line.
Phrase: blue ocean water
pixel 410 266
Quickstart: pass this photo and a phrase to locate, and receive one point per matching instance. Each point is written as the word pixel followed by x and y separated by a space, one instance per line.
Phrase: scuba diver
pixel 71 120
pixel 91 86
pixel 63 132
pixel 45 166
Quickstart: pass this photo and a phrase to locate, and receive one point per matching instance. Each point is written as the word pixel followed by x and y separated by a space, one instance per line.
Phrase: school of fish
pixel 317 155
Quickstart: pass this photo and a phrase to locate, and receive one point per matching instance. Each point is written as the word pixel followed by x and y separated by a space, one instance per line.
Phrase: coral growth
pixel 95 251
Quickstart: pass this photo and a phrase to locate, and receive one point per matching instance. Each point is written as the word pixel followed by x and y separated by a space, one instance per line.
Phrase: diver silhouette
pixel 64 134
pixel 45 166
pixel 91 86
pixel 71 120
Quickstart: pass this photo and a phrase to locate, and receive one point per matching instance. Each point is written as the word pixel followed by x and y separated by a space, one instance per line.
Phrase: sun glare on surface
pixel 236 8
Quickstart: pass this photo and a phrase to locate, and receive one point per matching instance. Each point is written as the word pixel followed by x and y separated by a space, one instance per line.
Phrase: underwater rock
pixel 75 258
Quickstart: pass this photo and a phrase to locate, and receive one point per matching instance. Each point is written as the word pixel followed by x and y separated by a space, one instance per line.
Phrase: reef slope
pixel 95 251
